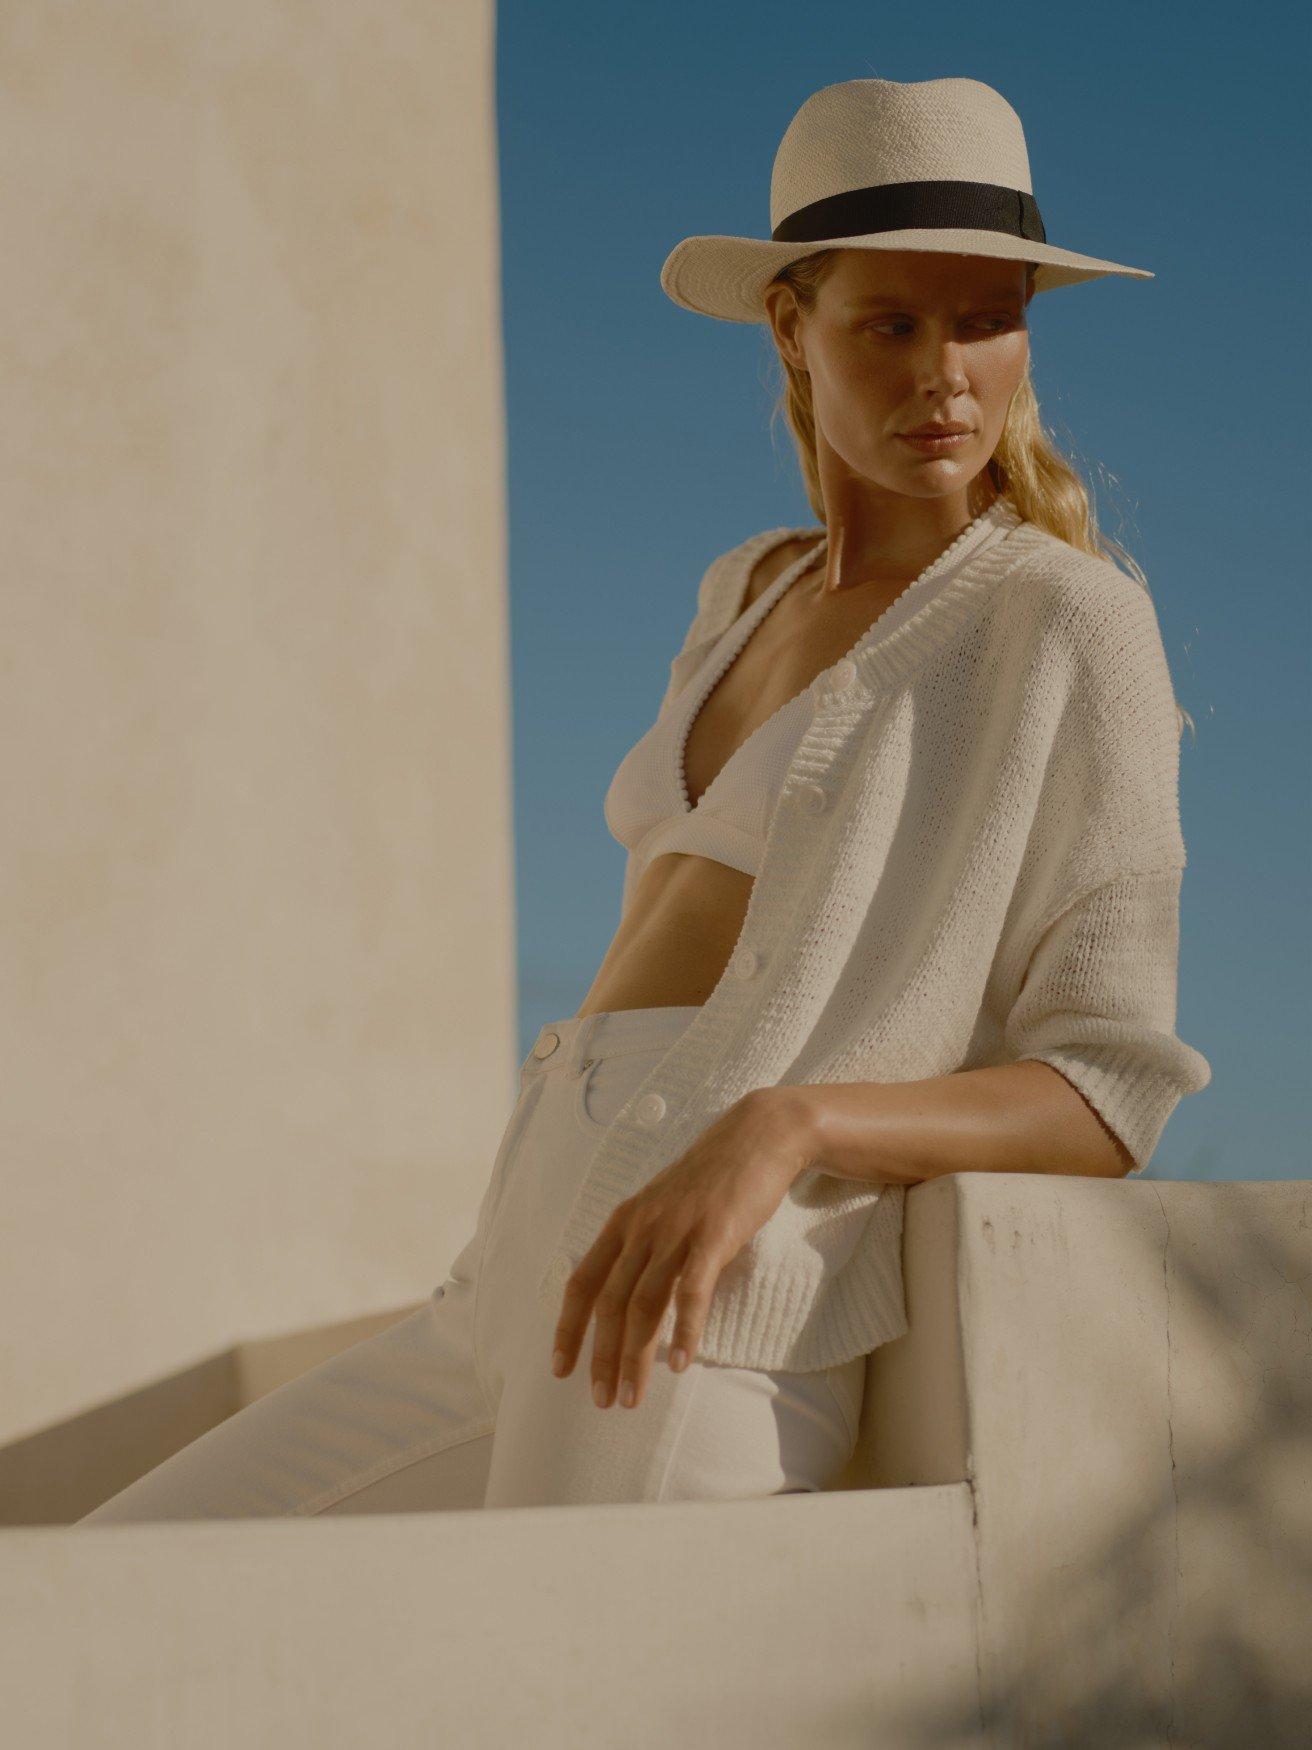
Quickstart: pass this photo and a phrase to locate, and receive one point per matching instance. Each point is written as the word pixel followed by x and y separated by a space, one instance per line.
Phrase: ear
pixel 784 313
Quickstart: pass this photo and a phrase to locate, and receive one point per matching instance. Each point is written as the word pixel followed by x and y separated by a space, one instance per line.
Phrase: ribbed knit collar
pixel 927 612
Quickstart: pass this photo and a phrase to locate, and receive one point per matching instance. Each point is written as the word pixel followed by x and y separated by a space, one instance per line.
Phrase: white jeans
pixel 455 1405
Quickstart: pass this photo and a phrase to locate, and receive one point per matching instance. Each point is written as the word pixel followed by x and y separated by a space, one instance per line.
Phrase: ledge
pixel 1076 1509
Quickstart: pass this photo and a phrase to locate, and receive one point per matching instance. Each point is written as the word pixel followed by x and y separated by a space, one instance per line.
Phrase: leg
pixel 396 1423
pixel 400 1422
pixel 709 1433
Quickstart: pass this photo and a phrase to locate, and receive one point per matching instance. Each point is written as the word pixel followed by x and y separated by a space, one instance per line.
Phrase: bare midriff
pixel 687 911
pixel 683 922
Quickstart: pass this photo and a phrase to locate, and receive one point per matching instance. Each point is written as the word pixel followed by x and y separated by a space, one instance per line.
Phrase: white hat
pixel 933 164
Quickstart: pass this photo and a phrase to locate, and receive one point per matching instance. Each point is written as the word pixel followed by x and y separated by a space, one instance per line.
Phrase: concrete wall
pixel 256 998
pixel 1080 1513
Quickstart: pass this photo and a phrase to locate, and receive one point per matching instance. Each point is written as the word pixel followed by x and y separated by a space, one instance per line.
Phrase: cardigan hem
pixel 794 1317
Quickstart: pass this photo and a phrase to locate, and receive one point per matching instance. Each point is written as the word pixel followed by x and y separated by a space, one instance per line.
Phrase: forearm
pixel 1012 1118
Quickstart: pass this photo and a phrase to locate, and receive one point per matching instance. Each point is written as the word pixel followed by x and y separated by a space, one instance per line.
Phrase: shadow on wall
pixel 1218 1562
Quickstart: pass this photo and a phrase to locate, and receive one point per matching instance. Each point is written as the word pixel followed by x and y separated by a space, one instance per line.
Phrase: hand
pixel 684 1225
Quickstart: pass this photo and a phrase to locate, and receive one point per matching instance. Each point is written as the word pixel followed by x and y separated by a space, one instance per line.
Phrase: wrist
pixel 841 1128
pixel 795 1119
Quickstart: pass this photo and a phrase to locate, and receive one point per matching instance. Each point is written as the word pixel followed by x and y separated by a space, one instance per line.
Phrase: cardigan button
pixel 844 673
pixel 650 1109
pixel 746 962
pixel 546 1045
pixel 813 797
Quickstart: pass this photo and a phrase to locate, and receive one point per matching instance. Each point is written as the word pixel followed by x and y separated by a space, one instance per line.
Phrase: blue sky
pixel 640 442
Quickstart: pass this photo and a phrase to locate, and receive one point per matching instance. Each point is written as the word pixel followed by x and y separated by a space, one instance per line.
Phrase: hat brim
pixel 727 276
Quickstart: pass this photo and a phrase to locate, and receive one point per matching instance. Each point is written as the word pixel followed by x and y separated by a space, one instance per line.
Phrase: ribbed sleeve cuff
pixel 1134 1095
pixel 1098 1003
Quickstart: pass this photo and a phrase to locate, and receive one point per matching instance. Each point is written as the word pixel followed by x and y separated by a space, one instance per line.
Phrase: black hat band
pixel 915 206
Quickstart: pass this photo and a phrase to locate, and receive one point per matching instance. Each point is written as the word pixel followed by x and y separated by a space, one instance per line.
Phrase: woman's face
pixel 901 338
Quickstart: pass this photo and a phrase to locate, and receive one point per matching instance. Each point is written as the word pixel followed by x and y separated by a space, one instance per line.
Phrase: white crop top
pixel 647 807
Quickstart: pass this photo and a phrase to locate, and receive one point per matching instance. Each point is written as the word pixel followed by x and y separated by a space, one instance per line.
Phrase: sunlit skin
pixel 896 339
pixel 947 340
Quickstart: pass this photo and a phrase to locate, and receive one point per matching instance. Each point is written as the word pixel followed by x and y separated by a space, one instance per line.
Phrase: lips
pixel 939 443
pixel 937 431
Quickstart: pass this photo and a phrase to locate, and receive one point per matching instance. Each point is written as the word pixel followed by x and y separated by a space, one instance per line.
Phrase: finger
pixel 582 1286
pixel 611 1315
pixel 647 1304
pixel 692 1300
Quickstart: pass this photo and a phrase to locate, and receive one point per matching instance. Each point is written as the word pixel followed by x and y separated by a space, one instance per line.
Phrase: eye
pixel 995 324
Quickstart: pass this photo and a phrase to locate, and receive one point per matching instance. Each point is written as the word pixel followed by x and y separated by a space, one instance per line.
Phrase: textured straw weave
pixel 865 132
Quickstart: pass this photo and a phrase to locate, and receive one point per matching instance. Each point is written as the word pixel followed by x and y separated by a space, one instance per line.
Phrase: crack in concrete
pixel 979 1592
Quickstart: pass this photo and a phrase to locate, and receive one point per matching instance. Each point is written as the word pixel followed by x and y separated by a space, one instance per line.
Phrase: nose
pixel 942 372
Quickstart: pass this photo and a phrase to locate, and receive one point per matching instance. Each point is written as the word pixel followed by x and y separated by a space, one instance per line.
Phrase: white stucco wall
pixel 256 1000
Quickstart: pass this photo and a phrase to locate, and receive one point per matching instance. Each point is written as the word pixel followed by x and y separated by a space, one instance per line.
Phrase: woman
pixel 901 899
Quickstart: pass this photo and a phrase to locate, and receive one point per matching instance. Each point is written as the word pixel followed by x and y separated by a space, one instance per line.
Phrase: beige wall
pixel 257 997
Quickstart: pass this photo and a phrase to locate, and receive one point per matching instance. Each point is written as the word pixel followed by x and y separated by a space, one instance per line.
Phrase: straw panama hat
pixel 932 164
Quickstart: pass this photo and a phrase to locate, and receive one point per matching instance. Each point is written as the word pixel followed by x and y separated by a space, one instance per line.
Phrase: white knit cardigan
pixel 975 858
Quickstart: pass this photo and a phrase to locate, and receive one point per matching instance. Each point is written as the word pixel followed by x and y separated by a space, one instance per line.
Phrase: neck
pixel 865 547
pixel 878 536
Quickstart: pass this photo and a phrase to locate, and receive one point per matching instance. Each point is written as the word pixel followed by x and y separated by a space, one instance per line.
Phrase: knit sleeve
pixel 1098 1003
pixel 717 581
pixel 1105 755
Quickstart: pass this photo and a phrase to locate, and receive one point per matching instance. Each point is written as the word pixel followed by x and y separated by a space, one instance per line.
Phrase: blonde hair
pixel 1042 485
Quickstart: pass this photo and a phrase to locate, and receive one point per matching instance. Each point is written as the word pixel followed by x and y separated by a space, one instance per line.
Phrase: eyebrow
pixel 886 300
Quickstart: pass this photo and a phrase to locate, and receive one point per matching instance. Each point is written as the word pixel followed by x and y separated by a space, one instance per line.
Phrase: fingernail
pixel 627 1394
pixel 601 1394
pixel 678 1359
pixel 558 1362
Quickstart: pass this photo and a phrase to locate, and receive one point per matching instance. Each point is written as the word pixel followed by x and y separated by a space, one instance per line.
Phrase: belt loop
pixel 582 1039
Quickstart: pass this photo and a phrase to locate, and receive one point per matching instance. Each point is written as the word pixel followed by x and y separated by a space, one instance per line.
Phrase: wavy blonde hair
pixel 1026 465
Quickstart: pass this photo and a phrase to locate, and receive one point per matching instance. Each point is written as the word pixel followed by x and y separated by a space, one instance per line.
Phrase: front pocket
pixel 605 1083
pixel 589 1100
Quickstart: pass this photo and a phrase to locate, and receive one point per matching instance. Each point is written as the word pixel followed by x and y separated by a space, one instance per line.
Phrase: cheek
pixel 1003 369
pixel 853 401
pixel 995 380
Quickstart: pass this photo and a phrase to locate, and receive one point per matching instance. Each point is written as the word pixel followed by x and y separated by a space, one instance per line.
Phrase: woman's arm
pixel 1093 1070
pixel 1010 1118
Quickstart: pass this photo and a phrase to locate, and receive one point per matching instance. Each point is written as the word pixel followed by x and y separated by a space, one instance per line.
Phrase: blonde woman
pixel 901 899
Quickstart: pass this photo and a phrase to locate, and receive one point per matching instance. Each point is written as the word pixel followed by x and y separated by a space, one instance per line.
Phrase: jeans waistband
pixel 568 1043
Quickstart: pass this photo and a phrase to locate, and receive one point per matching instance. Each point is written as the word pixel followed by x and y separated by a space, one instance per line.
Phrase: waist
pixel 675 937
